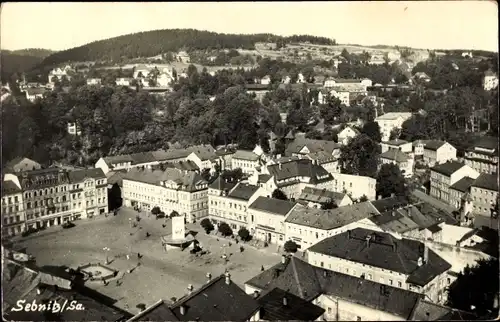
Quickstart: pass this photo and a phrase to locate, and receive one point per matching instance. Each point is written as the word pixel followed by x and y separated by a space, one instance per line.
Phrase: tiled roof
pixel 189 181
pixel 22 164
pixel 279 305
pixel 217 301
pixel 394 221
pixel 221 184
pixel 462 185
pixel 9 187
pixel 308 282
pixel 204 151
pixel 116 177
pixel 298 168
pixel 428 311
pixel 390 203
pixel 384 251
pixel 447 168
pixel 81 175
pixel 330 218
pixel 160 311
pixel 321 195
pixel 433 144
pixel 43 178
pixel 16 280
pixel 263 178
pixel 487 142
pixel 312 145
pixel 396 142
pixel 393 116
pixel 486 181
pixel 243 191
pixel 245 155
pixel 271 205
pixel 395 155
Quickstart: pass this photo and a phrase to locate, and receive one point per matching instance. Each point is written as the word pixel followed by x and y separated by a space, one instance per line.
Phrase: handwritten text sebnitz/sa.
pixel 51 306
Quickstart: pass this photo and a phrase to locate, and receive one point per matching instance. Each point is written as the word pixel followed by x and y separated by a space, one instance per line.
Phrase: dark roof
pixel 221 184
pixel 486 181
pixel 160 311
pixel 116 177
pixel 487 142
pixel 308 282
pixel 321 195
pixel 463 184
pixel 245 155
pixel 22 164
pixel 394 221
pixel 16 280
pixel 384 251
pixel 9 187
pixel 43 178
pixel 217 301
pixel 263 178
pixel 243 191
pixel 271 205
pixel 274 307
pixel 428 311
pixel 81 175
pixel 395 154
pixel 299 168
pixel 390 203
pixel 447 168
pixel 433 144
pixel 396 142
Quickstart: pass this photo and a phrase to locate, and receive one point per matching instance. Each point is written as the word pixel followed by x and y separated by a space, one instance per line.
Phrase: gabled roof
pixel 393 116
pixel 308 282
pixel 330 218
pixel 9 187
pixel 279 305
pixel 462 185
pixel 390 203
pixel 245 155
pixel 428 311
pixel 221 184
pixel 396 142
pixel 395 155
pixel 243 191
pixel 273 206
pixel 312 145
pixel 321 195
pixel 384 251
pixel 81 175
pixel 43 178
pixel 433 145
pixel 22 164
pixel 448 168
pixel 190 181
pixel 299 168
pixel 486 181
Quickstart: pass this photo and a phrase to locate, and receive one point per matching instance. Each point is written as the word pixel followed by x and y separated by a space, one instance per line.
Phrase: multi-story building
pixel 60 73
pixel 225 158
pixel 339 93
pixel 315 198
pixel 13 216
pixel 325 153
pixel 247 161
pixel 185 192
pixel 483 156
pixel 446 174
pixel 88 192
pixel 402 145
pixel 490 80
pixel 437 152
pixel 402 160
pixel 350 84
pixel 307 226
pixel 383 258
pixel 347 134
pixel 459 190
pixel 21 164
pixel 391 121
pixel 267 219
pixel 354 186
pixel 484 193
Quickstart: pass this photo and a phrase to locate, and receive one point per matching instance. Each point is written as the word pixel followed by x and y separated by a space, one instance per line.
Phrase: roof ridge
pixel 185 298
pixel 296 275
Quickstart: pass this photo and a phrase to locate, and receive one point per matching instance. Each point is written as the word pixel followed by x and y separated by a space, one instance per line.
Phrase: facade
pixel 88 192
pixel 363 253
pixel 32 94
pixel 340 94
pixel 484 193
pixel 354 186
pixel 267 219
pixel 459 190
pixel 402 160
pixel 437 152
pixel 325 153
pixel 247 161
pixel 346 134
pixel 123 81
pixel 483 156
pixel 185 192
pixel 397 144
pixel 164 80
pixel 73 129
pixel 266 80
pixel 348 84
pixel 59 73
pixel 446 174
pixel 391 121
pixel 94 81
pixel 490 80
pixel 183 57
pixel 13 215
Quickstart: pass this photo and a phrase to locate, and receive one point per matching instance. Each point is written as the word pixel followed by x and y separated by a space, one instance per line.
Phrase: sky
pixel 418 24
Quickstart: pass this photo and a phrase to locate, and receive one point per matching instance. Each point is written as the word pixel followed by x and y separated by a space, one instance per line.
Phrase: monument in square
pixel 179 238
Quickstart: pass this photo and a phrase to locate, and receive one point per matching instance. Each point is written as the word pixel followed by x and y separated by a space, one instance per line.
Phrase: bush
pixel 207 225
pixel 291 247
pixel 156 210
pixel 174 214
pixel 244 234
pixel 225 230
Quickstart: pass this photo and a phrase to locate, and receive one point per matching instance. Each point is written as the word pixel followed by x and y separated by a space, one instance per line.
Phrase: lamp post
pixel 106 249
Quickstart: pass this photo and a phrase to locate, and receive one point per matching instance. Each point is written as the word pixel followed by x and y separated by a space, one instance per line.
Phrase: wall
pixel 483 199
pixel 271 220
pixel 13 215
pixel 445 153
pixel 357 186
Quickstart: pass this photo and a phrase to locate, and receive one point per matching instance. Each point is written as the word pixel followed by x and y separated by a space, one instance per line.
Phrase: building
pixel 260 90
pixel 325 153
pixel 183 57
pixel 397 144
pixel 446 174
pixel 247 161
pixel 347 134
pixel 60 73
pixel 141 71
pixel 74 129
pixel 404 263
pixel 225 158
pixel 220 299
pixel 164 80
pixel 483 155
pixel 266 80
pixel 93 81
pixel 88 192
pixel 437 152
pixel 185 192
pixel 229 202
pixel 32 94
pixel 459 190
pixel 348 84
pixel 422 77
pixel 123 81
pixel 377 60
pixel 267 219
pixel 337 92
pixel 402 160
pixel 490 80
pixel 13 215
pixel 307 226
pixel 484 193
pixel 21 164
pixel 315 198
pixel 342 296
pixel 391 121
pixel 354 186
pixel 418 148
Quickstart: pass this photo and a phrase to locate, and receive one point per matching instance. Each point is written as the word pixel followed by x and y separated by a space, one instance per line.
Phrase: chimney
pixel 348 234
pixel 228 278
pixel 285 302
pixel 190 288
pixel 209 277
pixel 426 253
pixel 283 259
pixel 182 308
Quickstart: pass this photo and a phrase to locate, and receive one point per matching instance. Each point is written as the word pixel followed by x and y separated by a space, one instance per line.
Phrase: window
pixel 400 284
pixel 369 276
pixel 329 310
pixel 390 282
pixel 358 318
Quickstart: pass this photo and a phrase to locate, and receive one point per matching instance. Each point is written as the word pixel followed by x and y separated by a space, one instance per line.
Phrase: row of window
pixel 42 212
pixel 10 209
pixel 45 192
pixel 8 200
pixel 11 220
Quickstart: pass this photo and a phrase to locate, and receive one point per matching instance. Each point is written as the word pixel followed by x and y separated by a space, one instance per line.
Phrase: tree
pixel 363 198
pixel 225 230
pixel 244 234
pixel 360 156
pixel 390 181
pixel 331 111
pixel 114 197
pixel 290 246
pixel 174 214
pixel 278 194
pixel 207 225
pixel 475 289
pixel 372 130
pixel 156 210
pixel 330 204
pixel 395 133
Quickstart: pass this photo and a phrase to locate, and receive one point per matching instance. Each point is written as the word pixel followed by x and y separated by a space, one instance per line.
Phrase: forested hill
pixel 32 52
pixel 152 43
pixel 18 61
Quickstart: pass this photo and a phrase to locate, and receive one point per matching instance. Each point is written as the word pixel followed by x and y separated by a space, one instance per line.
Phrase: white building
pixel 315 198
pixel 59 73
pixel 123 81
pixel 164 80
pixel 397 144
pixel 347 134
pixel 355 186
pixel 483 155
pixel 403 161
pixel 391 121
pixel 437 152
pixel 94 81
pixel 247 161
pixel 325 153
pixel 490 80
pixel 446 174
pixel 74 129
pixel 266 80
pixel 32 94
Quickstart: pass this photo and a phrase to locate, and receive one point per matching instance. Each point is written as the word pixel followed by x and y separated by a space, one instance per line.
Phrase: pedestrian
pixel 242 249
pixel 128 256
pixel 262 268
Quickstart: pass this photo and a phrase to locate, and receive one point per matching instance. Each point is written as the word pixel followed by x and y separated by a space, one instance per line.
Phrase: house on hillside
pixel 490 80
pixel 390 121
pixel 93 81
pixel 347 134
pixel 402 160
pixel 446 174
pixel 32 94
pixel 123 81
pixel 183 57
pixel 266 80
